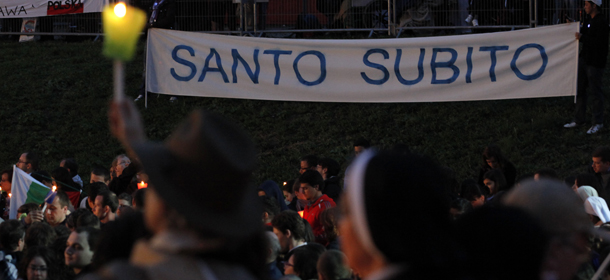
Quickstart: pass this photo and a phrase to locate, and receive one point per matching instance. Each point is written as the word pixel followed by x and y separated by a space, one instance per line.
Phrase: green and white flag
pixel 25 189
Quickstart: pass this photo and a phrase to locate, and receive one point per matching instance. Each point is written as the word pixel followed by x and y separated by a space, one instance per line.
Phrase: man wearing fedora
pixel 591 63
pixel 200 207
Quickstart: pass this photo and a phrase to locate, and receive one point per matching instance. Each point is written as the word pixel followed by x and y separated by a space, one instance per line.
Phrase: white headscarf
pixel 597 206
pixel 587 191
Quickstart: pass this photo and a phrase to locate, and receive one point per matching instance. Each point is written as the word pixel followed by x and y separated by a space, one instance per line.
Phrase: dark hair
pixel 362 142
pixel 64 180
pixel 312 160
pixel 11 232
pixel 88 220
pixel 32 158
pixel 313 178
pixel 331 165
pixel 42 176
pixel 118 238
pixel 10 174
pixel 73 217
pixel 548 173
pixel 109 199
pixel 138 198
pixel 497 177
pixel 28 207
pixel 71 165
pixel 93 235
pixel 329 219
pixel 308 237
pixel 296 186
pixel 470 190
pixel 64 200
pixel 588 179
pixel 289 186
pixel 46 254
pixel 290 220
pixel 396 183
pixel 305 260
pixel 332 265
pixel 491 237
pixel 101 171
pixel 39 234
pixel 61 230
pixel 270 206
pixel 125 196
pixel 95 189
pixel 602 152
pixel 462 206
pixel 493 151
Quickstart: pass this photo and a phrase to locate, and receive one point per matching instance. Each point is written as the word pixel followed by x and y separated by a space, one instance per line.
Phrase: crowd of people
pixel 391 214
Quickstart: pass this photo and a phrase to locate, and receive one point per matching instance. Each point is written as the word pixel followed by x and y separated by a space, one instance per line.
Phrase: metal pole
pixel 536 13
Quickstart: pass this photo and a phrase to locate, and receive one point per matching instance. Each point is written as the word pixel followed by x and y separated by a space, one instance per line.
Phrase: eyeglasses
pixel 24 162
pixel 38 268
pixel 288 264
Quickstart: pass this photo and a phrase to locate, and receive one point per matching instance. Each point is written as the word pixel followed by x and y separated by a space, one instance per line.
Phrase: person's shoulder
pixel 119 270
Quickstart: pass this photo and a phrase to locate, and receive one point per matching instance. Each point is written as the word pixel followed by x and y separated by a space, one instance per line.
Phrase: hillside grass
pixel 55 97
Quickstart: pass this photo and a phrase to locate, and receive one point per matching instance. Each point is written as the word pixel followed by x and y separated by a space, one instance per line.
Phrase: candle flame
pixel 54 188
pixel 285 183
pixel 120 9
pixel 10 195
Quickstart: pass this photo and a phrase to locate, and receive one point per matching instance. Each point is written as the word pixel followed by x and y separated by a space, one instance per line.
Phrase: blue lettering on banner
pixel 183 62
pixel 322 68
pixel 276 57
pixel 543 55
pixel 420 68
pixel 207 68
pixel 469 64
pixel 492 52
pixel 367 62
pixel 446 64
pixel 237 57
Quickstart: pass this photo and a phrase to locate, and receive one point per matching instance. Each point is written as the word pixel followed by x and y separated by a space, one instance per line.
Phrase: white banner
pixel 42 8
pixel 538 62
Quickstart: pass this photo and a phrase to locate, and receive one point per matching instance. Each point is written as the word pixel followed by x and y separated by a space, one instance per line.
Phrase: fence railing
pixel 286 18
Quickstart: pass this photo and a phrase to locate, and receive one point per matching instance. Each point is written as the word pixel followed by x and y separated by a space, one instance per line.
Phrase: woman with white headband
pixel 396 223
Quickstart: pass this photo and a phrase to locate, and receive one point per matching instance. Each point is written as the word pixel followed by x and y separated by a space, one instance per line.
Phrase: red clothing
pixel 312 214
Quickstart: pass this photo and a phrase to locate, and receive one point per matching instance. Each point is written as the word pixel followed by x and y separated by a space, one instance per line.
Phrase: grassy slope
pixel 55 94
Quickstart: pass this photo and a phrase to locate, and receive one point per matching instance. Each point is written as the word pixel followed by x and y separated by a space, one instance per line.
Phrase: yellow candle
pixel 122 27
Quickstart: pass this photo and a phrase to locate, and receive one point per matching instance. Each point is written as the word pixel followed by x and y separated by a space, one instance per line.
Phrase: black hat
pixel 203 170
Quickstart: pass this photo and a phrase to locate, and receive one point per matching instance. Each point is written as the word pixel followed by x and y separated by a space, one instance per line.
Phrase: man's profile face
pixel 492 162
pixel 55 213
pixel 600 166
pixel 23 163
pixel 78 253
pixel 308 191
pixel 98 207
pixel 283 239
pixel 588 7
pixel 304 166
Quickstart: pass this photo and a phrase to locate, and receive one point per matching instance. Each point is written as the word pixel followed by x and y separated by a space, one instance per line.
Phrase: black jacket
pixel 594 39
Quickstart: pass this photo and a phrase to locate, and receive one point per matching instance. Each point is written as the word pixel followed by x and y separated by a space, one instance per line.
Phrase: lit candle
pixel 122 27
pixel 142 185
pixel 54 188
pixel 10 195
